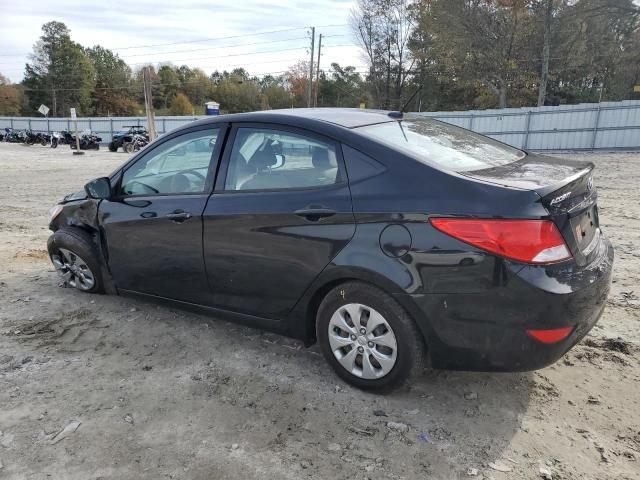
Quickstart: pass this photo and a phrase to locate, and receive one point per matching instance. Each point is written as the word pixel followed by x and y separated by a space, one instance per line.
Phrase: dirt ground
pixel 163 393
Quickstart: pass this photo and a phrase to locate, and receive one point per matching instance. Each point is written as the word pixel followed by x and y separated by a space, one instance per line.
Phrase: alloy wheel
pixel 362 341
pixel 73 269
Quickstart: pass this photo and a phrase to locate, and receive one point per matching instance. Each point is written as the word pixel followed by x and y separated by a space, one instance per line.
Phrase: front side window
pixel 179 165
pixel 444 145
pixel 264 159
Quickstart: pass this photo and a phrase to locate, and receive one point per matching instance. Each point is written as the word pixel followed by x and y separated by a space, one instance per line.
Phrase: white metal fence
pixel 586 126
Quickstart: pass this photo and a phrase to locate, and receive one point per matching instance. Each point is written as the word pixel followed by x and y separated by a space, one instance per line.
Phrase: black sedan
pixel 394 241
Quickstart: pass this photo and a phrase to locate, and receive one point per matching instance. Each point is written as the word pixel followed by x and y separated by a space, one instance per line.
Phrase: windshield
pixel 444 145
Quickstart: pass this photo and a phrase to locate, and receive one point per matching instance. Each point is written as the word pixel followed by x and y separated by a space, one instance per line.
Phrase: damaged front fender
pixel 81 213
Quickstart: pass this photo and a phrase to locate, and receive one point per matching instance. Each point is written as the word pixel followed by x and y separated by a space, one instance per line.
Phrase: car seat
pixel 264 178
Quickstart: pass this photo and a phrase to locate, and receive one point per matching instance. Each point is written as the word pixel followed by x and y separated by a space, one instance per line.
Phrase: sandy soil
pixel 163 393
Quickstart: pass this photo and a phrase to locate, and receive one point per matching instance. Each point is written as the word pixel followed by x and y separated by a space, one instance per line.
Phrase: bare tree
pixel 383 29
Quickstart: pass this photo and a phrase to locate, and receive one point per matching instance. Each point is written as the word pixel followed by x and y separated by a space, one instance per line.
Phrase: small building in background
pixel 211 108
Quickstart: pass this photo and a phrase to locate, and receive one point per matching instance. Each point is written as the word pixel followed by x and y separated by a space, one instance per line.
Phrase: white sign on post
pixel 73 113
pixel 43 110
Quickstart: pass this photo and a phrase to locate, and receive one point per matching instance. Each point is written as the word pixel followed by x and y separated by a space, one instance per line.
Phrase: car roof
pixel 344 117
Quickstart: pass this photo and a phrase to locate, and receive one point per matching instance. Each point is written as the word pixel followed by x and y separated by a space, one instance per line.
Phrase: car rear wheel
pixel 128 147
pixel 112 147
pixel 76 259
pixel 368 338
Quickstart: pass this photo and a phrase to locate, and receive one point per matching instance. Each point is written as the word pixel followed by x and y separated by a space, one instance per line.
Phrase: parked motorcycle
pixel 138 141
pixel 56 139
pixel 43 139
pixel 88 141
pixel 12 136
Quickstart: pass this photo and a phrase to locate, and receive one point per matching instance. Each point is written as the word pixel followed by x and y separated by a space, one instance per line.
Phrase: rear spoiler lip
pixel 546 190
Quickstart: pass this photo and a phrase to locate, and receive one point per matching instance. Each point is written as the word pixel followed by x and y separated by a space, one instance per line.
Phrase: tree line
pixel 474 54
pixel 62 74
pixel 440 54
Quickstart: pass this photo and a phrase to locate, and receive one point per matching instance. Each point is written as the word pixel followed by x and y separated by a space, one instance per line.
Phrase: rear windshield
pixel 443 145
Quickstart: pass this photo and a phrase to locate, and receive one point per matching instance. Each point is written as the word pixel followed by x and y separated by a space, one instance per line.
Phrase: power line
pixel 216 47
pixel 226 56
pixel 180 60
pixel 202 40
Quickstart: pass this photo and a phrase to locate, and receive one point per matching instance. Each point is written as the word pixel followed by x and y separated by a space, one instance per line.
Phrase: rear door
pixel 280 212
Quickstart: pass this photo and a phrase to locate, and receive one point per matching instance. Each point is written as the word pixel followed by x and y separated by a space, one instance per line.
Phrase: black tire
pixel 80 243
pixel 128 147
pixel 410 359
pixel 112 147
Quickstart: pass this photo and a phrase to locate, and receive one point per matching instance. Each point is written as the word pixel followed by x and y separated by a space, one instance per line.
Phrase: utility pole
pixel 315 96
pixel 53 92
pixel 148 103
pixel 310 86
pixel 544 78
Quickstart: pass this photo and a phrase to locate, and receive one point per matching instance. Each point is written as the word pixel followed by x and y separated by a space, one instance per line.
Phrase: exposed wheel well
pixel 314 304
pixel 318 296
pixel 98 241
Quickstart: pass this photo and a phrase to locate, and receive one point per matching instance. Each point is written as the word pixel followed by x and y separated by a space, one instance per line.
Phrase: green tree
pixel 342 87
pixel 60 73
pixel 169 83
pixel 275 92
pixel 195 84
pixel 476 42
pixel 597 52
pixel 237 93
pixel 180 105
pixel 113 90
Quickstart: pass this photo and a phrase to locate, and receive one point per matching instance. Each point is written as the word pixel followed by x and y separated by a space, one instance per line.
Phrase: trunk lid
pixel 566 190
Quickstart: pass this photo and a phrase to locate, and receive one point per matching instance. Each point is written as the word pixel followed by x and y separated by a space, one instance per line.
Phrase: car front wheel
pixel 76 259
pixel 368 338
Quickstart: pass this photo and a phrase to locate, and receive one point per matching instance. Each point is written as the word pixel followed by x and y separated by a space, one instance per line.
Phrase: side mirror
pixel 100 188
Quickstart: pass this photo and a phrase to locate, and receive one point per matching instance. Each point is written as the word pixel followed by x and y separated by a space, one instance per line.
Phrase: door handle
pixel 178 216
pixel 313 214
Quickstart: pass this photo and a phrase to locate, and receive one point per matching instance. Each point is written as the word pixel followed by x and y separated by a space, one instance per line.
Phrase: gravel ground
pixel 96 386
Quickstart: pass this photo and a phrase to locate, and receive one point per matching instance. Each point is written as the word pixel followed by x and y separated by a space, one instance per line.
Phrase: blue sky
pixel 195 28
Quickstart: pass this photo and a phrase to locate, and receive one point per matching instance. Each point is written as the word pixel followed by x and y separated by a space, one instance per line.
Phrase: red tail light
pixel 550 336
pixel 530 241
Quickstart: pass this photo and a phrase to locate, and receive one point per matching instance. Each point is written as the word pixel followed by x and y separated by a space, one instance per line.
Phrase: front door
pixel 281 211
pixel 153 225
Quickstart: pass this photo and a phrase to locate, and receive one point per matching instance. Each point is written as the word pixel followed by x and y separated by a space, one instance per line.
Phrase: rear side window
pixel 441 144
pixel 270 159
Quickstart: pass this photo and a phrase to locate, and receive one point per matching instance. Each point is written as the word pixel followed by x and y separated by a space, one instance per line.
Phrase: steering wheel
pixel 196 173
pixel 144 185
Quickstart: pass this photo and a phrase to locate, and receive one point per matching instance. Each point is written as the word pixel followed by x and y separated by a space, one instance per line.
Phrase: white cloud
pixel 125 27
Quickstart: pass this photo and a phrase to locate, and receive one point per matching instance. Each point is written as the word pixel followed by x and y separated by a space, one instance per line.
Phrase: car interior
pixel 266 160
pixel 181 167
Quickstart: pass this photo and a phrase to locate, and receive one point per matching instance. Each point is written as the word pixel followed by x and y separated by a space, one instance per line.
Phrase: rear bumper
pixel 487 331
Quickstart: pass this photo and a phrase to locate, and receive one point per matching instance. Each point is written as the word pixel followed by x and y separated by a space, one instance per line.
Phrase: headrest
pixel 320 158
pixel 263 157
